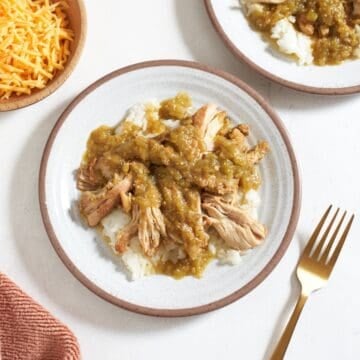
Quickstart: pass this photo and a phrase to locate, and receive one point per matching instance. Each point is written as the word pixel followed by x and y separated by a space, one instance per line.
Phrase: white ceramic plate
pixel 247 44
pixel 105 102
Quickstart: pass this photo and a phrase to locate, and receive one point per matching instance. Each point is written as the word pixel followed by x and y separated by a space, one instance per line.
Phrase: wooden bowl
pixel 77 17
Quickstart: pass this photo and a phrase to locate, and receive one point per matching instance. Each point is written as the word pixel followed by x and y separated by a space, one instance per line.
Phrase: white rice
pixel 135 262
pixel 116 220
pixel 228 257
pixel 289 40
pixel 137 115
pixel 292 42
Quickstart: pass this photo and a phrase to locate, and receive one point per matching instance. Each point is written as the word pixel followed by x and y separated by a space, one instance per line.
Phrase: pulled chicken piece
pixel 126 201
pixel 234 225
pixel 258 152
pixel 151 229
pixel 210 121
pixel 86 179
pixel 147 224
pixel 95 205
pixel 203 116
pixel 305 26
pixel 129 231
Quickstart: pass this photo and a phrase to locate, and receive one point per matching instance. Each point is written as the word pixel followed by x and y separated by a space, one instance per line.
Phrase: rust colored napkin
pixel 28 331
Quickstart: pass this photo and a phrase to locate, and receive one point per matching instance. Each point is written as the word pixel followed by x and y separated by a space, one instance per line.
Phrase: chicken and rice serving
pixel 171 188
pixel 323 32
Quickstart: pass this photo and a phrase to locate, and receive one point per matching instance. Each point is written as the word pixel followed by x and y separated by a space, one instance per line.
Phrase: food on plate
pixel 171 188
pixel 34 44
pixel 320 32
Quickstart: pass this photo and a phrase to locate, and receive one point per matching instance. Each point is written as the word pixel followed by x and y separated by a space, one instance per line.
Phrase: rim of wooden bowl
pixel 18 102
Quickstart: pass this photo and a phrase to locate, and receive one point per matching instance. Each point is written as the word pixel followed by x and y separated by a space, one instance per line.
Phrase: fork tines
pixel 320 250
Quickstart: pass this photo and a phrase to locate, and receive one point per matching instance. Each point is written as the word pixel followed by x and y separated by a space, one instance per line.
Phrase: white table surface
pixel 325 133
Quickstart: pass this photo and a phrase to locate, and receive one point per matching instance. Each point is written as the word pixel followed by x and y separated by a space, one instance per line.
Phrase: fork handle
pixel 284 341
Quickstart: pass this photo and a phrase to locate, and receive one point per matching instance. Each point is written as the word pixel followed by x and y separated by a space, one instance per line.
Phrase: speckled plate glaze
pixel 248 46
pixel 105 102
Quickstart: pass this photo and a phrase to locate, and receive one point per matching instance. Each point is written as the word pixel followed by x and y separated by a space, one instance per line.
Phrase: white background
pixel 325 133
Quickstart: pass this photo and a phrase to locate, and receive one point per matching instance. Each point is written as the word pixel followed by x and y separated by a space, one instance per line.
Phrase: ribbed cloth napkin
pixel 29 332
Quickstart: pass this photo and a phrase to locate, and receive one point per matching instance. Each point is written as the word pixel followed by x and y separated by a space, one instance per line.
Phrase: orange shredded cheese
pixel 34 44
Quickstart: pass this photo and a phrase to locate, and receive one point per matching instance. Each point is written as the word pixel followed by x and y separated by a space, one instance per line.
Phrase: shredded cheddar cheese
pixel 34 44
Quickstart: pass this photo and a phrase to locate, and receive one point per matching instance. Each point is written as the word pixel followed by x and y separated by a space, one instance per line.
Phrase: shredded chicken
pixel 93 175
pixel 86 179
pixel 128 232
pixel 255 155
pixel 126 201
pixel 305 25
pixel 210 121
pixel 173 186
pixel 95 205
pixel 194 248
pixel 235 198
pixel 213 128
pixel 203 116
pixel 148 225
pixel 151 228
pixel 104 167
pixel 234 225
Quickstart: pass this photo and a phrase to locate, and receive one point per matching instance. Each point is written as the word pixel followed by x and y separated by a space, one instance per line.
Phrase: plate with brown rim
pixel 106 101
pixel 248 45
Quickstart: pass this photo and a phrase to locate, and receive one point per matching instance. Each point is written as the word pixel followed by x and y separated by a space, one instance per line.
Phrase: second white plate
pixel 247 44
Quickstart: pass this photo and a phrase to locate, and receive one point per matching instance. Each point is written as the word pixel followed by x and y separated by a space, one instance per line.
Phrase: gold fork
pixel 313 271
